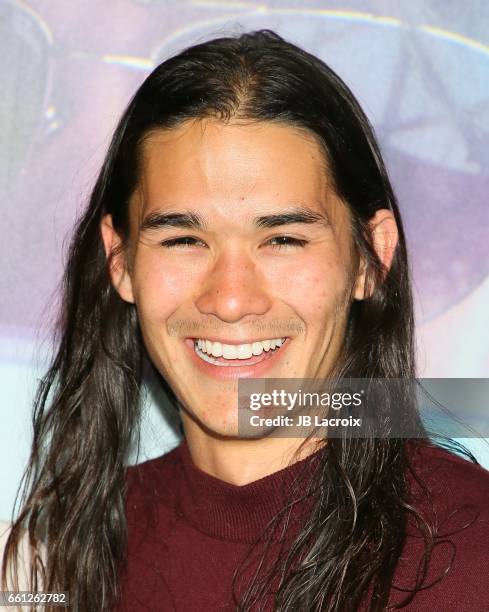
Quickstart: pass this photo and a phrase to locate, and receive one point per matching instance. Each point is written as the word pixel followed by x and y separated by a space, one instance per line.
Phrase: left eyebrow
pixel 298 214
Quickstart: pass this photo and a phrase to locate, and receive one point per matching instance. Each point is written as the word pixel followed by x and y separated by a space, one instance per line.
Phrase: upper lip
pixel 227 341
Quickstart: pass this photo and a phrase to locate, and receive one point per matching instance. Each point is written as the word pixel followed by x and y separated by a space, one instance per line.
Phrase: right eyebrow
pixel 160 220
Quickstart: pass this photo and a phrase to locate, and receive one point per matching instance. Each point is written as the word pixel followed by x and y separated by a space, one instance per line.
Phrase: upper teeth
pixel 238 351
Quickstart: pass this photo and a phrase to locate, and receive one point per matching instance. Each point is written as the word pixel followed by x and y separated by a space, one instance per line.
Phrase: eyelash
pixel 175 242
pixel 295 242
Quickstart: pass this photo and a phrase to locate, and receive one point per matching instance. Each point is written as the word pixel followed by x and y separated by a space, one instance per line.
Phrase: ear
pixel 119 274
pixel 385 236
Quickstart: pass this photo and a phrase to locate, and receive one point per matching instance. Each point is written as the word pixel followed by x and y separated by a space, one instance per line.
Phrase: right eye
pixel 184 241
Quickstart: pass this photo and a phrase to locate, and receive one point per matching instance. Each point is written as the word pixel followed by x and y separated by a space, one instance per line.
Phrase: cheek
pixel 159 286
pixel 317 287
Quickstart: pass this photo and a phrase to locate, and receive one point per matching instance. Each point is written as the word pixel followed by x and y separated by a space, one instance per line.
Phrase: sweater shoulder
pixel 451 478
pixel 151 485
pixel 451 494
pixel 152 470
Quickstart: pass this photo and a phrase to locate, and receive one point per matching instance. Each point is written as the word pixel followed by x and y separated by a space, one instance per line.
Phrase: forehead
pixel 234 170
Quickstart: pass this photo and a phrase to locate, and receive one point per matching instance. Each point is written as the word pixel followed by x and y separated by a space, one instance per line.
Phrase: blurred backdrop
pixel 420 69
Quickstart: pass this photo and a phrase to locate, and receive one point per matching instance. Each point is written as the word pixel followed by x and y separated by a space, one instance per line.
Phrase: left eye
pixel 285 241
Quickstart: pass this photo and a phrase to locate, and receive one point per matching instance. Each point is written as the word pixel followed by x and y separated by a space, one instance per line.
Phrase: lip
pixel 246 371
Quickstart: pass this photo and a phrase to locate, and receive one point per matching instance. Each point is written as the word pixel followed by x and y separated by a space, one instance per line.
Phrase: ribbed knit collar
pixel 241 513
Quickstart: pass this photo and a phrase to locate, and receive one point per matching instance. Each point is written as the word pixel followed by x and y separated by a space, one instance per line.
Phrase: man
pixel 242 226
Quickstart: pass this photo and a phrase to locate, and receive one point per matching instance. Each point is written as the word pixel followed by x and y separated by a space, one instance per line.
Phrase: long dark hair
pixel 87 405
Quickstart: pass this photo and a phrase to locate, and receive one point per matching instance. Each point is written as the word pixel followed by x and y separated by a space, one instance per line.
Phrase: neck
pixel 240 461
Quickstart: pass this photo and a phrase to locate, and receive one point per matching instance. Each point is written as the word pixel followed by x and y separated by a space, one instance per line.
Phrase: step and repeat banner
pixel 67 70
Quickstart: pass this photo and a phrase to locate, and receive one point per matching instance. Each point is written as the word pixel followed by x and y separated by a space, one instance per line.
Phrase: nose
pixel 233 289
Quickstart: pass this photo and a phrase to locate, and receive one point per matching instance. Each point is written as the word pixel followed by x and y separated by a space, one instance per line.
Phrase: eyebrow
pixel 160 220
pixel 298 214
pixel 192 220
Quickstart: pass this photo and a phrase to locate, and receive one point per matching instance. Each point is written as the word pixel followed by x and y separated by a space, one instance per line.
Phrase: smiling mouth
pixel 235 355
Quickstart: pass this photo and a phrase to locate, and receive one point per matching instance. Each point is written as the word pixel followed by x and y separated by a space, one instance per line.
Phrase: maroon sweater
pixel 189 532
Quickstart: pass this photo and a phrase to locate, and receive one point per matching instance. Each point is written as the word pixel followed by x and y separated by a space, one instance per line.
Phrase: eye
pixel 287 241
pixel 184 241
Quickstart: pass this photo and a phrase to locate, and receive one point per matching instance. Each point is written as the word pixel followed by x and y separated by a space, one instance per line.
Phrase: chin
pixel 213 424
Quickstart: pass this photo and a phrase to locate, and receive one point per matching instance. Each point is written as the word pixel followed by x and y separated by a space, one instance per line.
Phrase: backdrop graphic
pixel 420 69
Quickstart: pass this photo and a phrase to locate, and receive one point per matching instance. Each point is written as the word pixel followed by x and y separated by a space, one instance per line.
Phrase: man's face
pixel 241 261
